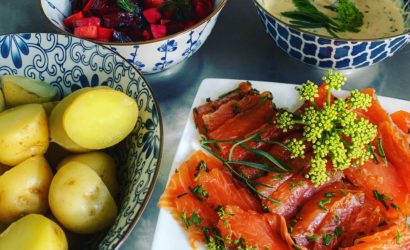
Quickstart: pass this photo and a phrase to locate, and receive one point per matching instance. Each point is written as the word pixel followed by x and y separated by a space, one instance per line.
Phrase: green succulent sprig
pixel 337 135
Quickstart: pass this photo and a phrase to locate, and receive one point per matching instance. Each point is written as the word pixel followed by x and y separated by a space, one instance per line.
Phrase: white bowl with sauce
pixel 385 30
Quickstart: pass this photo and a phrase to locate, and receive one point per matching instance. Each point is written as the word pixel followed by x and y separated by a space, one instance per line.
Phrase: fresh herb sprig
pixel 229 163
pixel 127 5
pixel 307 16
pixel 335 131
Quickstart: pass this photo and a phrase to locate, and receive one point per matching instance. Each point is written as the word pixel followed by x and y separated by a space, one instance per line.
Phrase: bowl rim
pixel 256 2
pixel 147 198
pixel 206 19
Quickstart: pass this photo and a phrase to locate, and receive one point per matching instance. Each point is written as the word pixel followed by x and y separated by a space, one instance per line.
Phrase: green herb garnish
pixel 307 16
pixel 322 203
pixel 329 194
pixel 199 192
pixel 127 5
pixel 381 198
pixel 181 9
pixel 399 237
pixel 312 237
pixel 327 238
pixel 338 231
pixel 371 150
pixel 381 150
pixel 335 131
pixel 194 219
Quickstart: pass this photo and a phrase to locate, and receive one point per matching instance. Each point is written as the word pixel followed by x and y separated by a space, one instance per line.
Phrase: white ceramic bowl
pixel 147 56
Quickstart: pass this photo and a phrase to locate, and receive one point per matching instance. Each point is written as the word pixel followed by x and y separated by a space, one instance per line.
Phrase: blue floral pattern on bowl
pixel 68 64
pixel 325 52
pixel 147 57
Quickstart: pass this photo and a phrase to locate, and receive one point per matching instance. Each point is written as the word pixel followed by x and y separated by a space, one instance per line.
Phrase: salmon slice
pixel 232 108
pixel 386 180
pixel 402 119
pixel 244 88
pixel 293 193
pixel 252 229
pixel 222 190
pixel 272 181
pixel 178 199
pixel 319 206
pixel 392 238
pixel 245 122
pixel 396 148
pixel 331 228
pixel 366 221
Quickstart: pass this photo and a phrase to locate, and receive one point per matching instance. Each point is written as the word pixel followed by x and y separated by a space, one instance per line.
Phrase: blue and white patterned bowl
pixel 327 52
pixel 68 64
pixel 147 56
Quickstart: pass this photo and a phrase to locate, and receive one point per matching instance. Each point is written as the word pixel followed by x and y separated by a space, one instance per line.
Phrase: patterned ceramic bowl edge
pixel 326 52
pixel 147 56
pixel 68 64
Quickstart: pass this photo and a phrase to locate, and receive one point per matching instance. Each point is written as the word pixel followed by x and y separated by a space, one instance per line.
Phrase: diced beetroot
pixel 68 21
pixel 103 7
pixel 120 19
pixel 164 21
pixel 174 27
pixel 189 24
pixel 86 32
pixel 158 30
pixel 153 3
pixel 147 35
pixel 152 15
pixel 87 7
pixel 202 8
pixel 89 21
pixel 104 34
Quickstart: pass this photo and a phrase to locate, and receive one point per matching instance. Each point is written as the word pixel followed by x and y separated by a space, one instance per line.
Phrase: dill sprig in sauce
pixel 307 16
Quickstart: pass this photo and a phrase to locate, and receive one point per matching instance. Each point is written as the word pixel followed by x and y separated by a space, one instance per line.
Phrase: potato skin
pixel 24 189
pixel 102 163
pixel 23 133
pixel 34 232
pixel 80 200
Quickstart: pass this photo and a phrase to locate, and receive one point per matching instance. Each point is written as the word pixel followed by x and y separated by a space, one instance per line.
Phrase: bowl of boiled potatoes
pixel 80 144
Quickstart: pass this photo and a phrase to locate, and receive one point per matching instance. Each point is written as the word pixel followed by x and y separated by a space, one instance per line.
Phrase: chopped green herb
pixel 208 99
pixel 322 203
pixel 343 192
pixel 374 156
pixel 196 111
pixel 394 206
pixel 312 237
pixel 336 218
pixel 338 231
pixel 181 195
pixel 291 184
pixel 127 5
pixel 213 240
pixel 329 194
pixel 204 128
pixel 399 237
pixel 300 183
pixel 327 238
pixel 235 108
pixel 228 93
pixel 381 198
pixel 277 178
pixel 381 150
pixel 264 99
pixel 292 224
pixel 408 131
pixel 194 219
pixel 202 166
pixel 199 193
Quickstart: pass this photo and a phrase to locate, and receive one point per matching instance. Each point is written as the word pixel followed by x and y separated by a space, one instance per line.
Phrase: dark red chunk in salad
pixel 134 20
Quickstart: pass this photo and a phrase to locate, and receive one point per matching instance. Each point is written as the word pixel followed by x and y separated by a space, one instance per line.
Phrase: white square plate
pixel 168 234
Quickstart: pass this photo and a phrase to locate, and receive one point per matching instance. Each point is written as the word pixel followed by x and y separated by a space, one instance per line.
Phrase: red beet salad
pixel 134 20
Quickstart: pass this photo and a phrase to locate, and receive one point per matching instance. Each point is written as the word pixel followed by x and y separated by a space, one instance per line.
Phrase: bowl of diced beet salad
pixel 153 35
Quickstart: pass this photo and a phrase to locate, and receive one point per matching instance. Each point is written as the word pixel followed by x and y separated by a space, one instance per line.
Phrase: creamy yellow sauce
pixel 382 18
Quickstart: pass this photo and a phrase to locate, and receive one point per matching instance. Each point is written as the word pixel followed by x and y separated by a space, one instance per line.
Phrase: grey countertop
pixel 238 48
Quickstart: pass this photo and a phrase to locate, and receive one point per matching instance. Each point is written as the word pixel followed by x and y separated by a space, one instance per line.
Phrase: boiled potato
pixel 23 133
pixel 33 232
pixel 23 90
pixel 24 189
pixel 80 200
pixel 96 118
pixel 2 102
pixel 101 163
